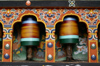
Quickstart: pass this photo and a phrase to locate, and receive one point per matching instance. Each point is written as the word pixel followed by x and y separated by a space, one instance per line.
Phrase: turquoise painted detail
pixel 0 39
pixel 71 40
pixel 30 39
pixel 69 18
pixel 99 40
pixel 69 36
pixel 29 43
pixel 21 55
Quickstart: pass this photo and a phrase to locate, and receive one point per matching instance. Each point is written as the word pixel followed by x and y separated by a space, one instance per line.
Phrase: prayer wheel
pixel 69 31
pixel 29 35
pixel 69 34
pixel 29 32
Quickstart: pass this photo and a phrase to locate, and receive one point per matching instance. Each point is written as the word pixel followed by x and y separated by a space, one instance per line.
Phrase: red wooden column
pixel 50 45
pixel 92 45
pixel 7 45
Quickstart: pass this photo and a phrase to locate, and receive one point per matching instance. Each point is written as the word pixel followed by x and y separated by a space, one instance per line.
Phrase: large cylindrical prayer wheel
pixel 69 31
pixel 30 33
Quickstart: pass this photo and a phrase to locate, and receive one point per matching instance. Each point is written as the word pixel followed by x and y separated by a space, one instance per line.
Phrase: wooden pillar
pixel 92 45
pixel 50 45
pixel 7 45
